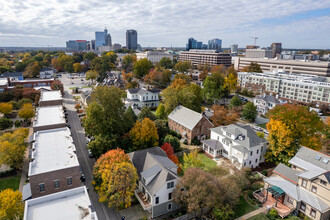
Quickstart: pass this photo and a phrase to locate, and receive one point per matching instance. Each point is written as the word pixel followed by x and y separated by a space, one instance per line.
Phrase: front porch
pixel 213 148
pixel 143 199
pixel 270 200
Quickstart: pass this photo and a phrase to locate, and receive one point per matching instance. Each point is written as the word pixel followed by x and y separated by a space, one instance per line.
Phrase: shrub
pixel 175 134
pixel 174 141
pixel 264 172
pixel 5 123
pixel 195 141
pixel 272 214
pixel 185 141
pixel 17 123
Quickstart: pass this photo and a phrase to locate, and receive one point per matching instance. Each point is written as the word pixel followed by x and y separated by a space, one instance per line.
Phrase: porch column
pixel 267 192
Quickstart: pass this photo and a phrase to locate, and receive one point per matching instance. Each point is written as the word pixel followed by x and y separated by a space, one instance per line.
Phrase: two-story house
pixel 303 187
pixel 237 142
pixel 267 102
pixel 157 180
pixel 189 124
pixel 143 97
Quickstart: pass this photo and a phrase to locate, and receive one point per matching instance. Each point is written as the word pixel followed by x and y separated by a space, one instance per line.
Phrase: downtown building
pixel 76 45
pixel 215 44
pixel 294 87
pixel 131 40
pixel 258 53
pixel 202 57
pixel 153 56
pixel 290 66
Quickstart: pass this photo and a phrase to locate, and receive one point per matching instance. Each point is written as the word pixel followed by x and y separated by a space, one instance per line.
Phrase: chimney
pixel 276 96
pixel 264 95
pixel 9 82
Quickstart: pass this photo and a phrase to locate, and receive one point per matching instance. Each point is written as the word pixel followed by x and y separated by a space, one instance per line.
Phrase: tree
pixel 131 115
pixel 168 149
pixel 146 113
pixel 11 205
pixel 5 123
pixel 102 144
pixel 260 134
pixel 65 62
pixel 192 160
pixel 57 85
pixel 144 134
pixel 231 82
pixel 20 66
pixel 203 75
pixel 249 112
pixel 222 116
pixel 131 85
pixel 142 67
pixel 158 77
pixel 173 141
pixel 115 179
pixel 160 111
pixel 235 102
pixel 6 107
pixel 223 213
pixel 221 69
pixel 26 111
pixel 77 67
pixel 103 64
pixel 253 67
pixel 32 70
pixel 182 66
pixel 166 62
pixel 231 70
pixel 89 56
pixel 91 75
pixel 162 130
pixel 127 62
pixel 214 88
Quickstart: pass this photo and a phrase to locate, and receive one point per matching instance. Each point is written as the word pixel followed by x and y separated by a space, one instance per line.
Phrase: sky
pixel 42 23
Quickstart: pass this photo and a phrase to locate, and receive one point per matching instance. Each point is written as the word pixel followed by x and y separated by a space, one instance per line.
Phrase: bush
pixel 195 141
pixel 10 172
pixel 174 141
pixel 23 101
pixel 17 123
pixel 264 172
pixel 185 141
pixel 5 123
pixel 272 214
pixel 175 134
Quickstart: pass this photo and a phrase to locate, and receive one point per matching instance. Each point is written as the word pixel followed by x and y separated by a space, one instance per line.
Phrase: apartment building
pixel 157 180
pixel 295 87
pixel 202 57
pixel 258 53
pixel 237 142
pixel 48 98
pixel 153 56
pixel 140 97
pixel 189 124
pixel 49 117
pixel 290 66
pixel 73 204
pixel 302 187
pixel 54 165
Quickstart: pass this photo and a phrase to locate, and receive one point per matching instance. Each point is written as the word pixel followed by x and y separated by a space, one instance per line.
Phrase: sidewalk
pixel 253 213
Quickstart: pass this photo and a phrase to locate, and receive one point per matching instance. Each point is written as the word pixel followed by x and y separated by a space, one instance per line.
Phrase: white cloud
pixel 161 22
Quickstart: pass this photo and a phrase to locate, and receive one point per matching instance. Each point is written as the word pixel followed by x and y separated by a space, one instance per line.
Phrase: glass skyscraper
pixel 102 38
pixel 193 44
pixel 131 39
pixel 215 44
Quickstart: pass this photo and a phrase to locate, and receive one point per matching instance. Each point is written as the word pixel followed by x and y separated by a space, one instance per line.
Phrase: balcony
pixel 146 205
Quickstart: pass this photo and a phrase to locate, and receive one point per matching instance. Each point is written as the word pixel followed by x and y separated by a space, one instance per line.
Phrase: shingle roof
pixel 141 91
pixel 268 98
pixel 134 90
pixel 185 116
pixel 327 175
pixel 215 144
pixel 309 155
pixel 11 74
pixel 287 173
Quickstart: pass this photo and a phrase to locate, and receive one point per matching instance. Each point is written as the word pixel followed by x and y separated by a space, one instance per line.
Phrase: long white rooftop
pixel 49 115
pixel 50 95
pixel 73 204
pixel 52 150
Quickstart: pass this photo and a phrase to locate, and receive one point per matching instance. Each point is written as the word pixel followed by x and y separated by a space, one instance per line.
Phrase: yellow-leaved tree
pixel 6 107
pixel 26 111
pixel 144 134
pixel 115 179
pixel 11 205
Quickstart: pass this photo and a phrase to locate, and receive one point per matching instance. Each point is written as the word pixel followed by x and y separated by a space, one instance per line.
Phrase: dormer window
pixel 228 134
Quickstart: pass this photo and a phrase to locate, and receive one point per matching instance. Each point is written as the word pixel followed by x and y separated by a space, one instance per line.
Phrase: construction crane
pixel 255 40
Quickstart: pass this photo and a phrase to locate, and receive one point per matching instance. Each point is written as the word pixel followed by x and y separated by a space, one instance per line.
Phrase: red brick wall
pixel 50 103
pixel 49 177
pixel 47 127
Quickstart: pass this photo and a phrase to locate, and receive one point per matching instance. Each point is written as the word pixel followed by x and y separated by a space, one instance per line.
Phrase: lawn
pixel 208 163
pixel 260 216
pixel 10 182
pixel 243 207
pixel 262 125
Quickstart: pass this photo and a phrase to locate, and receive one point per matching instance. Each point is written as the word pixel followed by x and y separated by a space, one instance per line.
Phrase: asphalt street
pixel 86 163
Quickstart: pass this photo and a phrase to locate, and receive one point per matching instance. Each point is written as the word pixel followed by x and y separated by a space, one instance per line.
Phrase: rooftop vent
pixel 241 137
pixel 325 160
pixel 317 157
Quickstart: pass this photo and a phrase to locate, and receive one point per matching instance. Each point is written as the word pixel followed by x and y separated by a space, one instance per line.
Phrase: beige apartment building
pixel 202 57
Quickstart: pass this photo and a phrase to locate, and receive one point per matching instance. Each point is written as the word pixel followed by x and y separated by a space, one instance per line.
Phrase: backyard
pixel 260 216
pixel 10 182
pixel 243 207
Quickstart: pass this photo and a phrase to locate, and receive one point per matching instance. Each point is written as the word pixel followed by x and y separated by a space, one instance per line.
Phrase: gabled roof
pixel 185 116
pixel 11 74
pixel 269 98
pixel 215 144
pixel 327 176
pixel 141 91
pixel 287 173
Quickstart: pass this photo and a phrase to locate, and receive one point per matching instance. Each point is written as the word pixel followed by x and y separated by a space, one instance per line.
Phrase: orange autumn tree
pixel 222 116
pixel 144 134
pixel 115 179
pixel 167 147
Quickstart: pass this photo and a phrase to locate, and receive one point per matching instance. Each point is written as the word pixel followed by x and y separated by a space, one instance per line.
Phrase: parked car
pixel 82 177
pixel 266 132
pixel 90 154
pixel 257 128
pixel 69 126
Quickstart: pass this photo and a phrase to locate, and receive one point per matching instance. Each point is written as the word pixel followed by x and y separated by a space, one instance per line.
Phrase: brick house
pixel 189 124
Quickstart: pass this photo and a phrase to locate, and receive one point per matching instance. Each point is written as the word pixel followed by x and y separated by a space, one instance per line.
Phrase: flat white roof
pixel 73 204
pixel 3 82
pixel 49 115
pixel 50 95
pixel 52 150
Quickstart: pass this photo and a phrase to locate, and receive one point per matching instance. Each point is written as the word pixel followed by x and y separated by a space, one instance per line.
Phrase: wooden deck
pixel 281 209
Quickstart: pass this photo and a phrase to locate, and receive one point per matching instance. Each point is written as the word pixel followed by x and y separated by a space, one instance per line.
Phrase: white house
pixel 237 142
pixel 143 97
pixel 46 73
pixel 157 180
pixel 153 56
pixel 267 102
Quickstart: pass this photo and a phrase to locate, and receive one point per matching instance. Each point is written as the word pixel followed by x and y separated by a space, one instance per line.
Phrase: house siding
pixel 47 127
pixel 50 103
pixel 161 209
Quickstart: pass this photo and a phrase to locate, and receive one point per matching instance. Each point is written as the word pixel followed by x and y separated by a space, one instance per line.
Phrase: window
pixel 303 206
pixel 323 182
pixel 42 187
pixel 157 200
pixel 256 160
pixel 250 162
pixel 251 153
pixel 290 200
pixel 244 163
pixel 56 184
pixel 257 151
pixel 170 185
pixel 314 189
pixel 169 196
pixel 313 213
pixel 69 181
pixel 169 206
pixel 304 183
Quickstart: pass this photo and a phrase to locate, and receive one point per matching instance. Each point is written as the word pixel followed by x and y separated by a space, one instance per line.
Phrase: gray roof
pixel 251 139
pixel 214 144
pixel 185 116
pixel 307 159
pixel 26 194
pixel 241 148
pixel 268 98
pixel 141 91
pixel 287 172
pixel 327 176
pixel 11 74
pixel 153 161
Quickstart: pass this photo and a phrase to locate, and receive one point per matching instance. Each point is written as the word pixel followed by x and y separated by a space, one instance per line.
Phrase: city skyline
pixel 167 23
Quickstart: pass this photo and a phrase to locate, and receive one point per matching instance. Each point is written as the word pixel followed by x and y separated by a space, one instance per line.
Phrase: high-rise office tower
pixel 234 48
pixel 102 38
pixel 131 40
pixel 215 44
pixel 276 48
pixel 193 44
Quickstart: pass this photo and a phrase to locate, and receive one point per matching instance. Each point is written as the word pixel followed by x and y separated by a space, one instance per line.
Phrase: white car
pixel 256 128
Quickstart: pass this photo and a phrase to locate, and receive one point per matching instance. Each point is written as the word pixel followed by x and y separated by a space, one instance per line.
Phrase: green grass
pixel 10 182
pixel 208 163
pixel 262 125
pixel 243 207
pixel 260 216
